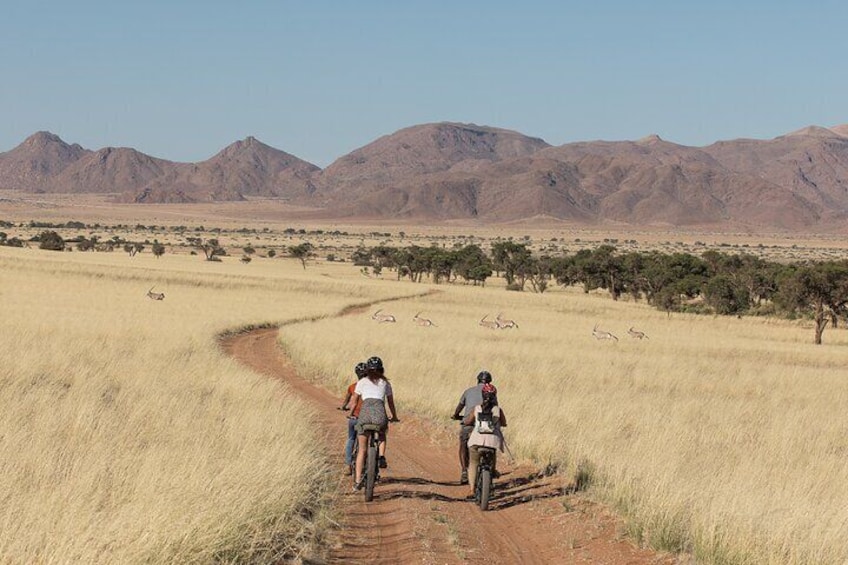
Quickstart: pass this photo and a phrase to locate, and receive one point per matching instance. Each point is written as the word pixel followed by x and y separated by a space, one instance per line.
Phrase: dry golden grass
pixel 133 439
pixel 126 435
pixel 723 437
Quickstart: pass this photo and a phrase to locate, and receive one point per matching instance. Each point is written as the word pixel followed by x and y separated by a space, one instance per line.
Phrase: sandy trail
pixel 420 513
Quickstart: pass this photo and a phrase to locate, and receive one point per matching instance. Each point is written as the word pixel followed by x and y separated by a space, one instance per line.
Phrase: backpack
pixel 486 421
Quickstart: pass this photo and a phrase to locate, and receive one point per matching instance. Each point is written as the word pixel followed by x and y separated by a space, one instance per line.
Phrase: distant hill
pixel 795 182
pixel 244 168
pixel 34 164
pixel 45 163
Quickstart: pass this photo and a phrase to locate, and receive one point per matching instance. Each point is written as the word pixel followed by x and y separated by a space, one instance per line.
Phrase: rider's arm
pixel 503 418
pixel 355 402
pixel 469 420
pixel 391 399
pixel 457 413
pixel 346 400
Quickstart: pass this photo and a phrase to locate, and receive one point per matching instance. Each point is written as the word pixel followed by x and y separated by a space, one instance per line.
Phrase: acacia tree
pixel 302 252
pixel 211 247
pixel 158 249
pixel 472 264
pixel 514 259
pixel 818 289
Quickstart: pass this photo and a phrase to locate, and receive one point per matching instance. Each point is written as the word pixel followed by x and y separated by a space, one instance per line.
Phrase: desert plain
pixel 130 435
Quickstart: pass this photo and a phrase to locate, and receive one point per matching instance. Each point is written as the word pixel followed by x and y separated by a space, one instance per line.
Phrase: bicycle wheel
pixel 370 470
pixel 485 488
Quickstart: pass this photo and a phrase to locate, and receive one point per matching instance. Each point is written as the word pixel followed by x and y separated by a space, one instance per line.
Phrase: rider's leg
pixel 464 432
pixel 381 450
pixel 351 438
pixel 383 437
pixel 473 461
pixel 360 456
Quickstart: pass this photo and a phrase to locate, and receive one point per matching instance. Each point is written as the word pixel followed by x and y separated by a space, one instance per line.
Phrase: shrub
pixel 51 241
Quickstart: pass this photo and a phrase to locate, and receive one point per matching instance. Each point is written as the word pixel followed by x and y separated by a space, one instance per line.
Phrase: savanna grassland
pixel 722 437
pixel 128 436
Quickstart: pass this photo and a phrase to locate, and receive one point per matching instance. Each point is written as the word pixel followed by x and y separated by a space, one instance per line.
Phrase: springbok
pixel 505 324
pixel 382 317
pixel 423 322
pixel 155 295
pixel 600 334
pixel 490 324
pixel 637 334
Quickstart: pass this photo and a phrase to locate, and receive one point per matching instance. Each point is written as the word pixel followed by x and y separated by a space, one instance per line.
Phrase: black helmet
pixel 484 377
pixel 374 364
pixel 361 369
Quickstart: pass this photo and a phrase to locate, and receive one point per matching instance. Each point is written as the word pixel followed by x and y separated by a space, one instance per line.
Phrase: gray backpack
pixel 486 421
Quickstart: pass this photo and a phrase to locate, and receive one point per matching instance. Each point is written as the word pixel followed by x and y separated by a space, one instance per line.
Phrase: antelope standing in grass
pixel 489 324
pixel 423 322
pixel 505 324
pixel 637 334
pixel 155 295
pixel 382 317
pixel 600 334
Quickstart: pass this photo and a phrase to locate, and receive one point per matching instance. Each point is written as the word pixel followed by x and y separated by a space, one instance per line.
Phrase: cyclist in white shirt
pixel 374 391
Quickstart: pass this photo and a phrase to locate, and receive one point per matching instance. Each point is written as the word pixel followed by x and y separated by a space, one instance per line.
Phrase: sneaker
pixel 360 484
pixel 463 477
pixel 382 463
pixel 496 474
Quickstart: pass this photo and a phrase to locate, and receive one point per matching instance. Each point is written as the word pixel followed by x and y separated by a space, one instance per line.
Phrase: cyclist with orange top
pixel 361 370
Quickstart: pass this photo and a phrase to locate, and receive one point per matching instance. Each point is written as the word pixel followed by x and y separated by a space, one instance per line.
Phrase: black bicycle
pixel 483 485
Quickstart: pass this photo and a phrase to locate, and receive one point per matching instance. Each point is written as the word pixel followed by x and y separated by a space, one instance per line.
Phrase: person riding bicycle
pixel 469 399
pixel 486 420
pixel 360 369
pixel 374 391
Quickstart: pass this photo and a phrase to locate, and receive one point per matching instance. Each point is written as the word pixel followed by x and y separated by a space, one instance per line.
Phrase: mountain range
pixel 445 171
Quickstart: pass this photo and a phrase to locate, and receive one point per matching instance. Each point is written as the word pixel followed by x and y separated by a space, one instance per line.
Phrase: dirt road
pixel 420 513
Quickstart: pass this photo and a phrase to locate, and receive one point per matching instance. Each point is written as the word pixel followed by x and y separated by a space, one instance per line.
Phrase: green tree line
pixel 712 283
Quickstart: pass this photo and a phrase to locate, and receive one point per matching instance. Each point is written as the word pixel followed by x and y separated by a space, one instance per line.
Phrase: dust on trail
pixel 420 513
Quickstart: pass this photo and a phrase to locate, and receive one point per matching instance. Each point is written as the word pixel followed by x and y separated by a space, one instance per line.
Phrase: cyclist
pixel 487 411
pixel 469 399
pixel 360 371
pixel 374 391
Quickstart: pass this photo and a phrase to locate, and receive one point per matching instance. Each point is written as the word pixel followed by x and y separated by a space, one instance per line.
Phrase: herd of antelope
pixel 500 323
pixel 601 334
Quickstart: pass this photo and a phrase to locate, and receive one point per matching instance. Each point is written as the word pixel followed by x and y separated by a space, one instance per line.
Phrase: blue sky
pixel 182 79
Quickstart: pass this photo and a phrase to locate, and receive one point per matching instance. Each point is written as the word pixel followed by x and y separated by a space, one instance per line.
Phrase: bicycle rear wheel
pixel 485 488
pixel 370 470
